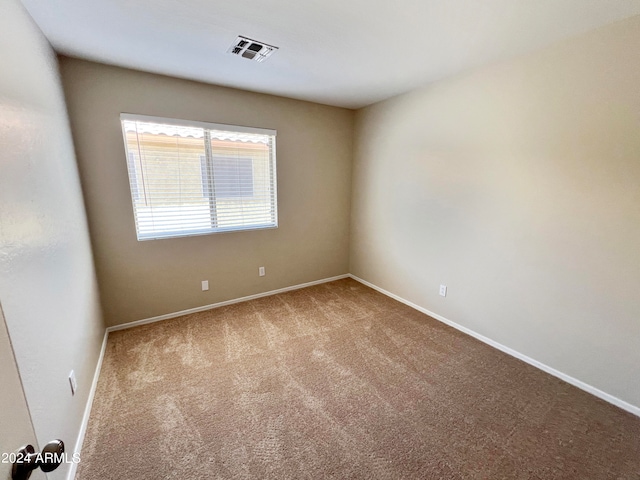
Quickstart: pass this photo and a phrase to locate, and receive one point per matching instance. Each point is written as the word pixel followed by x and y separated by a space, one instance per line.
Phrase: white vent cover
pixel 251 49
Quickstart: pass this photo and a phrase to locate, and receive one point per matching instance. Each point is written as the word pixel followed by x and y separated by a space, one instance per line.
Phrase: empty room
pixel 306 240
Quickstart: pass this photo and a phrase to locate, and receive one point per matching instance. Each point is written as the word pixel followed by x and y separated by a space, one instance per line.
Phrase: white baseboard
pixel 87 409
pixel 545 368
pixel 159 318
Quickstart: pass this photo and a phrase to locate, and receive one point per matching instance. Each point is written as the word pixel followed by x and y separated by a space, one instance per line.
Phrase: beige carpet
pixel 339 381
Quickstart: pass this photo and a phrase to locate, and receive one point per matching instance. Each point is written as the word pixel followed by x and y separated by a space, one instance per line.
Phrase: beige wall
pixel 143 279
pixel 517 186
pixel 48 287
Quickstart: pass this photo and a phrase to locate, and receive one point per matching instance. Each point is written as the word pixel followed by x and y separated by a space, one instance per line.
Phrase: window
pixel 239 169
pixel 193 178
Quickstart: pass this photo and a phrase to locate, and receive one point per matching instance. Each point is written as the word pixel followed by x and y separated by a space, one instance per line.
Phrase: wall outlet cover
pixel 73 382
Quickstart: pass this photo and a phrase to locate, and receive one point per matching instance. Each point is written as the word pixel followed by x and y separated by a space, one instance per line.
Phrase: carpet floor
pixel 339 381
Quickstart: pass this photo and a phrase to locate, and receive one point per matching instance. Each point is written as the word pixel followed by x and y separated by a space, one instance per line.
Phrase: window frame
pixel 206 126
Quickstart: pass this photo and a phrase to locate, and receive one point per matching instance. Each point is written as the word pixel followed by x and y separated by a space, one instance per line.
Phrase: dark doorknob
pixel 27 460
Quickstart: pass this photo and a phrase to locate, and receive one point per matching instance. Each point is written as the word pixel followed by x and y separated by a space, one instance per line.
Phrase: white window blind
pixel 193 178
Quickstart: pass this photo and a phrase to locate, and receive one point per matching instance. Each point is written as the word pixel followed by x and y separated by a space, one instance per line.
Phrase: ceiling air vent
pixel 251 49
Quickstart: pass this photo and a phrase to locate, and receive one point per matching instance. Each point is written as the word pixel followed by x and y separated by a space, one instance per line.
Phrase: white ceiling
pixel 348 53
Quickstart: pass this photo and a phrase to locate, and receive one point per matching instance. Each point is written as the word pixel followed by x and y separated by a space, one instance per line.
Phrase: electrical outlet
pixel 261 271
pixel 205 285
pixel 73 382
pixel 443 290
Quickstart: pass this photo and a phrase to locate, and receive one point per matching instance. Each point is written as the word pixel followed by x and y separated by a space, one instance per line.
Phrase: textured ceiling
pixel 348 53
